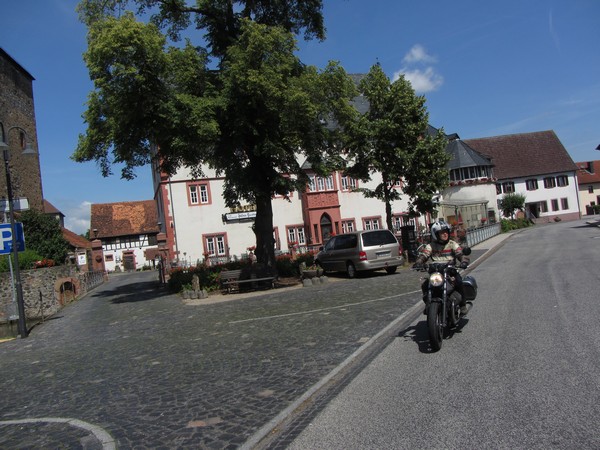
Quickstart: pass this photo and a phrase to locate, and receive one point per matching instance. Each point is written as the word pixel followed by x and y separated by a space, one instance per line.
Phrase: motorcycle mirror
pixel 466 251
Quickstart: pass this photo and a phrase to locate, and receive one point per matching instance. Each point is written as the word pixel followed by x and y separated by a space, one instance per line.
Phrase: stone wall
pixel 47 290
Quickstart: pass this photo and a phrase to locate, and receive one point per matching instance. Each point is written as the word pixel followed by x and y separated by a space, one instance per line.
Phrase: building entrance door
pixel 128 261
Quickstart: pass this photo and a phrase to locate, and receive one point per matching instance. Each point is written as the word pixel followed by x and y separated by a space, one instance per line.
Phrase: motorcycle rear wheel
pixel 435 325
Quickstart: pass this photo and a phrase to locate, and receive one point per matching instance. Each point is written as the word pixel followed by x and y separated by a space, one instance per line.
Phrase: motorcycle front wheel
pixel 435 325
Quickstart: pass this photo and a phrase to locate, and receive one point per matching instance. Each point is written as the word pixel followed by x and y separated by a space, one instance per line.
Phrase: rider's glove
pixel 464 265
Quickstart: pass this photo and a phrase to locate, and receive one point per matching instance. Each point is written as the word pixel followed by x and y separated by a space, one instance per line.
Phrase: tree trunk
pixel 263 229
pixel 388 211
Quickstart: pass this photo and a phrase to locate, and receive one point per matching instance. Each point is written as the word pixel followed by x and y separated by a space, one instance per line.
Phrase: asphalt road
pixel 522 372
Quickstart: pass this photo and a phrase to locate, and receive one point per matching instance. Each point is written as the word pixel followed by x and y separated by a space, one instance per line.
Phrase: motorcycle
pixel 444 302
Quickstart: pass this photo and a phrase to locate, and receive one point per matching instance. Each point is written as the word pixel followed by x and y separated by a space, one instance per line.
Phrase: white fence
pixel 480 234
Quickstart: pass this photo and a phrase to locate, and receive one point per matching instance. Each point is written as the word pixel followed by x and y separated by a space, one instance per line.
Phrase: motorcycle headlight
pixel 436 279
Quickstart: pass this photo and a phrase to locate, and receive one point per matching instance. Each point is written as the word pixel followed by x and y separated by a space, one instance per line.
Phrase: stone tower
pixel 18 128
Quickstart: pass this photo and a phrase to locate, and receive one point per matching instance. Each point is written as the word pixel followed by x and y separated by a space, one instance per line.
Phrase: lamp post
pixel 21 325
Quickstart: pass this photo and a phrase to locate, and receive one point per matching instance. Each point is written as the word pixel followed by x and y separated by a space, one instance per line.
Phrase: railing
pixel 480 234
pixel 89 280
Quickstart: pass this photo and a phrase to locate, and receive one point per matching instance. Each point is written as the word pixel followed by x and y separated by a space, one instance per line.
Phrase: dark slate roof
pixel 527 154
pixel 464 156
pixel 589 172
pixel 123 219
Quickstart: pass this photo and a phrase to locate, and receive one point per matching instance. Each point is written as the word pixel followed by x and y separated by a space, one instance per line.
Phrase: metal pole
pixel 21 325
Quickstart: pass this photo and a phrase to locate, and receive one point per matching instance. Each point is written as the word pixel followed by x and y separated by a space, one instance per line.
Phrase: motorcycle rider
pixel 443 249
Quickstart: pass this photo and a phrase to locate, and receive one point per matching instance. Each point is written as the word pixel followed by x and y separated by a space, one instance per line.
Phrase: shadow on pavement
pixel 419 334
pixel 133 292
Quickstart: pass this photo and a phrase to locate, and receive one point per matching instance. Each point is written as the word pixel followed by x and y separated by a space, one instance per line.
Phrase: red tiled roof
pixel 589 172
pixel 521 155
pixel 75 240
pixel 123 219
pixel 49 208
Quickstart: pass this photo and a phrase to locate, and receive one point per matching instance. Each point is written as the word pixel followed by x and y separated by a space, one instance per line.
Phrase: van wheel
pixel 351 270
pixel 391 270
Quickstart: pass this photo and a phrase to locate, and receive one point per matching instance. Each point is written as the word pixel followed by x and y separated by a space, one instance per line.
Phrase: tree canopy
pixel 511 202
pixel 43 235
pixel 249 118
pixel 391 138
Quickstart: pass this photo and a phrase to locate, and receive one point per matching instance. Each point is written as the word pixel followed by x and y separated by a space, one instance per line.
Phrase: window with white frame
pixel 564 203
pixel 543 207
pixel 372 223
pixel 198 194
pixel 214 245
pixel 348 226
pixel 554 203
pixel 296 235
pixel 320 184
pixel 348 183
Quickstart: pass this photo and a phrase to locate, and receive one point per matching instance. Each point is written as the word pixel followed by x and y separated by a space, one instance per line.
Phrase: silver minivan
pixel 360 251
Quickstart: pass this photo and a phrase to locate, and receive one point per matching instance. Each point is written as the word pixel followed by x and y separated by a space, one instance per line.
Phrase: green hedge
pixel 515 224
pixel 27 260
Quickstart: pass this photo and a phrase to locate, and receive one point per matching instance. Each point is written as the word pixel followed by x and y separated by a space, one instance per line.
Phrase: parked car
pixel 360 251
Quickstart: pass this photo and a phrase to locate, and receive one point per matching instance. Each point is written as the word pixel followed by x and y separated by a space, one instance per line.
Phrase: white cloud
pixel 422 81
pixel 418 54
pixel 419 71
pixel 77 217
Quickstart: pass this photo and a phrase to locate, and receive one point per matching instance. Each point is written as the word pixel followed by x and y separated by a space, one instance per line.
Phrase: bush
pixel 27 260
pixel 515 224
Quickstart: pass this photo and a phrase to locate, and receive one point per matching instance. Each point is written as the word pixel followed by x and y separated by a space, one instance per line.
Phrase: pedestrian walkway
pixel 130 365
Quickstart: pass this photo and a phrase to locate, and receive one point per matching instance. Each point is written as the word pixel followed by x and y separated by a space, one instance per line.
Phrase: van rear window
pixel 378 237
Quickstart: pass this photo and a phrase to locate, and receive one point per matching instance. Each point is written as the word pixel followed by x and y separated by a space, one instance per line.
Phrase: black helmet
pixel 438 227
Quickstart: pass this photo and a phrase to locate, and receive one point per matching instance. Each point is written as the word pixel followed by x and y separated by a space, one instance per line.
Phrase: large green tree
pixel 244 105
pixel 44 236
pixel 391 139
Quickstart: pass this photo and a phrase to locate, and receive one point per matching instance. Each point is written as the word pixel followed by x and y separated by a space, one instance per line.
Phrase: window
pixel 372 223
pixel 348 226
pixel 498 189
pixel 508 187
pixel 311 183
pixel 549 182
pixel 198 194
pixel 348 183
pixel 108 258
pixel 554 202
pixel 320 184
pixel 543 207
pixel 532 184
pixel 590 189
pixel 215 245
pixel 296 235
pixel 329 183
pixel 564 203
pixel 562 180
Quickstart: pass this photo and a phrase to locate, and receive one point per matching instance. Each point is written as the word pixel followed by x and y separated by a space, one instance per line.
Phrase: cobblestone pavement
pixel 130 366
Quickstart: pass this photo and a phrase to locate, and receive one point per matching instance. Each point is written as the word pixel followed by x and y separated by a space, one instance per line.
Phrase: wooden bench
pixel 230 280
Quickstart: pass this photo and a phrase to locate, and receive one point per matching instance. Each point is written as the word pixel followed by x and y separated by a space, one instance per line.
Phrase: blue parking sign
pixel 6 238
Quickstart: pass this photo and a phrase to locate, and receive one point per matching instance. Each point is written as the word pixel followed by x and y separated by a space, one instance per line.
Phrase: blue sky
pixel 486 68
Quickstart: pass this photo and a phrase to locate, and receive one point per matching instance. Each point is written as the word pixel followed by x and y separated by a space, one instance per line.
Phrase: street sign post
pixel 6 238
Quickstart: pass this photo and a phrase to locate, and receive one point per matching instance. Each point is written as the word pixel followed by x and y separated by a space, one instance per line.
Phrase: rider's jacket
pixel 440 253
